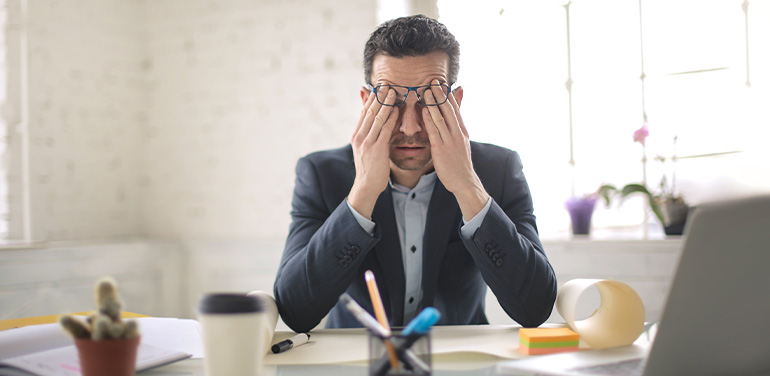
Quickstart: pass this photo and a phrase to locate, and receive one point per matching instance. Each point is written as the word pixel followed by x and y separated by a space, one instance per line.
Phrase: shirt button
pixel 414 249
pixel 411 299
pixel 413 195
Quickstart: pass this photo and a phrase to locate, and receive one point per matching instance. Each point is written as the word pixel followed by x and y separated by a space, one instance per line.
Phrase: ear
pixel 458 93
pixel 365 94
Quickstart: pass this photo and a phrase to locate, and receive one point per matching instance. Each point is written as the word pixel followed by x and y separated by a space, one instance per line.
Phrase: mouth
pixel 410 150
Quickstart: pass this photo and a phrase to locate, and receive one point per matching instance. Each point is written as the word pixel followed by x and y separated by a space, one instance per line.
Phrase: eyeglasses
pixel 402 92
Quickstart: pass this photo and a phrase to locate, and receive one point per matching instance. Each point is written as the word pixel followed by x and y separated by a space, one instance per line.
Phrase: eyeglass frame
pixel 409 89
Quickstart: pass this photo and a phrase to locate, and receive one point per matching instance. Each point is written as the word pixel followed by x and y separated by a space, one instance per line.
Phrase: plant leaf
pixel 638 188
pixel 605 191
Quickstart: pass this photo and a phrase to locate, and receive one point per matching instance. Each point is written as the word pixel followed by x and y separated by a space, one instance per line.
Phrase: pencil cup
pixel 412 352
pixel 233 340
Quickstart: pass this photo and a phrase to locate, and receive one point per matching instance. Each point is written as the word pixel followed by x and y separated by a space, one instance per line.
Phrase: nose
pixel 410 117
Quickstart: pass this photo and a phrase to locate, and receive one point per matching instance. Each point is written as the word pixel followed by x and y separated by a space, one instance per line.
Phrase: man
pixel 436 217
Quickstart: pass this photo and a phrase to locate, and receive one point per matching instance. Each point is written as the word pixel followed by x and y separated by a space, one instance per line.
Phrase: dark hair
pixel 416 35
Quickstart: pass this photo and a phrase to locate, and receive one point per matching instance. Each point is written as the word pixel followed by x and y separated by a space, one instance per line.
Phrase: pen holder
pixel 413 354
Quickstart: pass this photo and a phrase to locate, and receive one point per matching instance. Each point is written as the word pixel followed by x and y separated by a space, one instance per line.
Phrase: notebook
pixel 716 320
pixel 46 350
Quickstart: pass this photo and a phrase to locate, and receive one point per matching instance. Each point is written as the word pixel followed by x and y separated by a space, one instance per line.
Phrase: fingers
pixel 361 117
pixel 387 128
pixel 374 118
pixel 449 111
pixel 433 134
pixel 456 106
pixel 368 118
pixel 383 115
pixel 436 117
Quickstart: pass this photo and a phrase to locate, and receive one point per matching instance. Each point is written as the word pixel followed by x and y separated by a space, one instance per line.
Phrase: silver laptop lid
pixel 717 317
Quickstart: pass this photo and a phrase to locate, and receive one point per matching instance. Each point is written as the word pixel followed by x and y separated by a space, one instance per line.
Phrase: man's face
pixel 409 143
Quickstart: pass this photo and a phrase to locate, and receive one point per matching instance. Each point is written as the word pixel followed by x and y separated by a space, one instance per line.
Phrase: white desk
pixel 481 365
pixel 476 359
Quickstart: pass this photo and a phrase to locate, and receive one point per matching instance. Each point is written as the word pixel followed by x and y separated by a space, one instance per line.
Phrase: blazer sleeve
pixel 324 249
pixel 507 250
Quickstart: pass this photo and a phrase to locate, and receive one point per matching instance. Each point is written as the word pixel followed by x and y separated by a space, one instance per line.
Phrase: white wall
pixel 238 91
pixel 169 119
pixel 179 118
pixel 167 278
pixel 60 278
pixel 87 100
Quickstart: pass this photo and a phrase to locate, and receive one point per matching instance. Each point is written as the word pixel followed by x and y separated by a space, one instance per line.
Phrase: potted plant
pixel 106 344
pixel 581 210
pixel 670 209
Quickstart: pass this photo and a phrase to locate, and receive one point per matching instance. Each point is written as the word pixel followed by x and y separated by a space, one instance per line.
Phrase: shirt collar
pixel 425 183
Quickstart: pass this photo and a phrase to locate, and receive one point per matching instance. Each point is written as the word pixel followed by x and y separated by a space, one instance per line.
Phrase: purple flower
pixel 641 133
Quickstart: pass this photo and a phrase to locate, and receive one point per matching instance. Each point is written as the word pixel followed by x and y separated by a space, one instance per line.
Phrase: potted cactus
pixel 106 344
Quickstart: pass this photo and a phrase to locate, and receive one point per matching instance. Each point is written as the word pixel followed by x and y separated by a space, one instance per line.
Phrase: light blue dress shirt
pixel 411 210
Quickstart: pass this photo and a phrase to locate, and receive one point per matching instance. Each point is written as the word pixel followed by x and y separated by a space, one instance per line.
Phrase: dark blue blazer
pixel 327 251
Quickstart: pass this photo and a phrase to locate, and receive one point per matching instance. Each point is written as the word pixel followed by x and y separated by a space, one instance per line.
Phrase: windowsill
pixel 10 245
pixel 624 233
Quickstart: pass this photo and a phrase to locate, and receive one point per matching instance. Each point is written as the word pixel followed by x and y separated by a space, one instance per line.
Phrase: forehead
pixel 410 70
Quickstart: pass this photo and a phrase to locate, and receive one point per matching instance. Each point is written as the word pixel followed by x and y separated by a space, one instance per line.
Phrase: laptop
pixel 716 320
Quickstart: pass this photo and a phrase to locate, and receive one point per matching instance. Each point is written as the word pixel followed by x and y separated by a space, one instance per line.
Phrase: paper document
pixel 172 333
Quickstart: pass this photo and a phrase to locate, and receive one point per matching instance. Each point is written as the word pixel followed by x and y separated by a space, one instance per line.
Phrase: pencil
pixel 379 312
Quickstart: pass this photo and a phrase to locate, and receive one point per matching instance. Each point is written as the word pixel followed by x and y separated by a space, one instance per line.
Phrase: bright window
pixel 514 68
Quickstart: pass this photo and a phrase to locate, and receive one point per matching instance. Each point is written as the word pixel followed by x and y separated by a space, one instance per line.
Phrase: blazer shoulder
pixel 331 158
pixel 484 154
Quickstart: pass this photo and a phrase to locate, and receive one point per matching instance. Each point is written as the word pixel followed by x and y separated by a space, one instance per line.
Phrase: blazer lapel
pixel 442 220
pixel 388 251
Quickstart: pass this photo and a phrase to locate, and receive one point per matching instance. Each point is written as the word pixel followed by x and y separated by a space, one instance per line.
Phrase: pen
pixel 363 317
pixel 422 323
pixel 379 311
pixel 292 342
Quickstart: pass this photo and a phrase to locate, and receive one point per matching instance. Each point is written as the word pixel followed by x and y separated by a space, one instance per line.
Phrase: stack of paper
pixel 538 341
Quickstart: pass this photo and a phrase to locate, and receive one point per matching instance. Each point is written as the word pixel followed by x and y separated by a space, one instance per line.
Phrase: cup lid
pixel 230 303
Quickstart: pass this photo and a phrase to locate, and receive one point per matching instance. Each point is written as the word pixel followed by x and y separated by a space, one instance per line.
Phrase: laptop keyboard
pixel 632 367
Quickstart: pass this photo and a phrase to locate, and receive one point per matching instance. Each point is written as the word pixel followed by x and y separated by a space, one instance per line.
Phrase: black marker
pixel 290 343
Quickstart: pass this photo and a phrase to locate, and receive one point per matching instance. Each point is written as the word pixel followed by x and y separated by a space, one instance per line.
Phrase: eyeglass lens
pixel 402 93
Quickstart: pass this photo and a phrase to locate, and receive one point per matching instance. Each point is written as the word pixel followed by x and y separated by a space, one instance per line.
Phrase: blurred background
pixel 156 141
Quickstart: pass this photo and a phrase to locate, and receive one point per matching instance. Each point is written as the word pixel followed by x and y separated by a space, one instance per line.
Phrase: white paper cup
pixel 233 342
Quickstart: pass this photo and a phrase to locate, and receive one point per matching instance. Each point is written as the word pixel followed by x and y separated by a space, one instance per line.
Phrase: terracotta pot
pixel 114 357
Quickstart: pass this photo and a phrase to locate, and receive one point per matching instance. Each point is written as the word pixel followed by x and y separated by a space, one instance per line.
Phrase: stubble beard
pixel 411 163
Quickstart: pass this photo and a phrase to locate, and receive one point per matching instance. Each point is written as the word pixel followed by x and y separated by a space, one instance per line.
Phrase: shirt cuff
pixel 365 223
pixel 470 227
